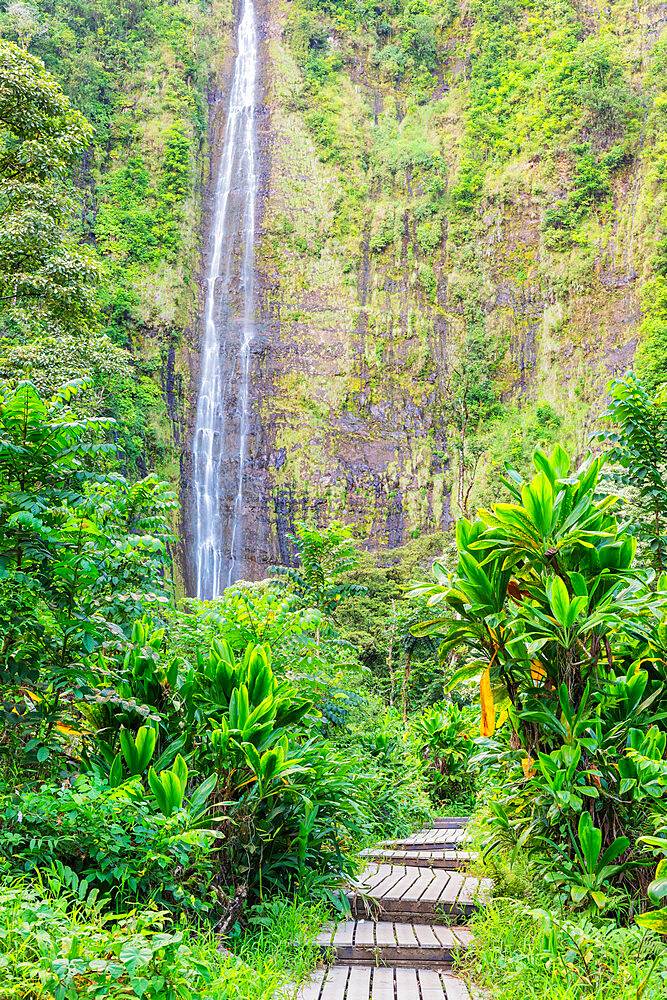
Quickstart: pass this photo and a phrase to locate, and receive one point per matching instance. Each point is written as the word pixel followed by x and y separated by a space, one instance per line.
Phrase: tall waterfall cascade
pixel 222 427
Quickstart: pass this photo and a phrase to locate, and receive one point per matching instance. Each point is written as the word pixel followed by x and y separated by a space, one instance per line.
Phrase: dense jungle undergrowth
pixel 186 786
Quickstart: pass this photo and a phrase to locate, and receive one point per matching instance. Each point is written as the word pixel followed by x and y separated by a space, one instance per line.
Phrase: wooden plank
pixel 383 984
pixel 430 985
pixel 364 934
pixel 359 984
pixel 406 984
pixel 455 988
pixel 334 984
pixel 406 936
pixel 436 858
pixel 438 890
pixel 420 885
pixel 374 873
pixel 464 935
pixel 385 934
pixel 344 933
pixel 310 990
pixel 453 888
pixel 384 871
pixel 399 889
pixel 326 934
pixel 450 821
pixel 388 883
pixel 447 937
pixel 427 937
pixel 471 890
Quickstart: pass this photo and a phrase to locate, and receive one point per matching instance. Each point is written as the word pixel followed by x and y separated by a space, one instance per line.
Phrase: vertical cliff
pixel 460 238
pixel 460 212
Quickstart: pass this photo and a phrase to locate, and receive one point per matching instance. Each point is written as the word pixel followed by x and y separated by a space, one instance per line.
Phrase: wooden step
pixel 450 822
pixel 407 893
pixel 362 942
pixel 446 838
pixel 350 982
pixel 425 858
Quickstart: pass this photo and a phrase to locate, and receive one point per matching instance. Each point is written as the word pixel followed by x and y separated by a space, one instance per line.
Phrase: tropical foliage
pixel 549 605
pixel 175 774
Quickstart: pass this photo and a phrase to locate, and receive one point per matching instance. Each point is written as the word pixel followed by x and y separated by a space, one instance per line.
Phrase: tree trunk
pixel 390 657
pixel 404 690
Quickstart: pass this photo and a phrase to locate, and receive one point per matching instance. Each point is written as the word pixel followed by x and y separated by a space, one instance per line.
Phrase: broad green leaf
pixel 538 499
pixel 464 673
pixel 560 600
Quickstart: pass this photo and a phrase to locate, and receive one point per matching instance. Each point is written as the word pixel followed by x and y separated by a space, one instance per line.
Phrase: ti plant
pixel 542 587
pixel 246 692
pixel 546 606
pixel 444 740
pixel 169 786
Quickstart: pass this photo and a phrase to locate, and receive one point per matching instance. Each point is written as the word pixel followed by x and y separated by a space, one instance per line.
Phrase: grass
pixel 277 953
pixel 517 957
pixel 527 947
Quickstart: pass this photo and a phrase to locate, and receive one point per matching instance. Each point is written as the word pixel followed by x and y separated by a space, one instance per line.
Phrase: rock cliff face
pixel 420 322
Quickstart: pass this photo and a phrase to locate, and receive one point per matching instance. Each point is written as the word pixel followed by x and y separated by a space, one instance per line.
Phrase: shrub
pixel 113 840
pixel 429 235
pixel 59 944
pixel 444 734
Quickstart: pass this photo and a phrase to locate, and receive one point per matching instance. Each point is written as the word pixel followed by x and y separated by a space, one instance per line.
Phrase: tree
pixel 323 556
pixel 46 278
pixel 567 637
pixel 81 551
pixel 23 20
pixel 468 400
pixel 638 447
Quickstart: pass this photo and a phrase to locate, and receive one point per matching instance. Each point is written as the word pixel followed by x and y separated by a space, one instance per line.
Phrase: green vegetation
pixel 473 200
pixel 549 603
pixel 157 765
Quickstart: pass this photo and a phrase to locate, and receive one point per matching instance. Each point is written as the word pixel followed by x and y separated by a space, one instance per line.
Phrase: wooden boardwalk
pixel 404 936
pixel 424 857
pixel 349 982
pixel 386 943
pixel 446 838
pixel 408 892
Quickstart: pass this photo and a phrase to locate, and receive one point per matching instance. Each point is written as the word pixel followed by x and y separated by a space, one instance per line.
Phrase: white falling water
pixel 222 428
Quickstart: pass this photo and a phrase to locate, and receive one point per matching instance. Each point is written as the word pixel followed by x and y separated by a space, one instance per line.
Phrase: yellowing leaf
pixel 487 723
pixel 654 920
pixel 527 765
pixel 537 671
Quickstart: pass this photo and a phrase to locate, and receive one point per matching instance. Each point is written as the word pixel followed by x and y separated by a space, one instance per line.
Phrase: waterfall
pixel 223 409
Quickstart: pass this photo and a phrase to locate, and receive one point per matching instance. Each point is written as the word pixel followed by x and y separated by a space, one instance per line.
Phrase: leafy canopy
pixel 45 276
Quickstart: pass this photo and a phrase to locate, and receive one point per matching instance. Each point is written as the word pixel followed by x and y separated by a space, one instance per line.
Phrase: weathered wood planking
pixel 447 837
pixel 406 893
pixel 415 886
pixel 424 857
pixel 446 822
pixel 358 983
pixel 389 943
